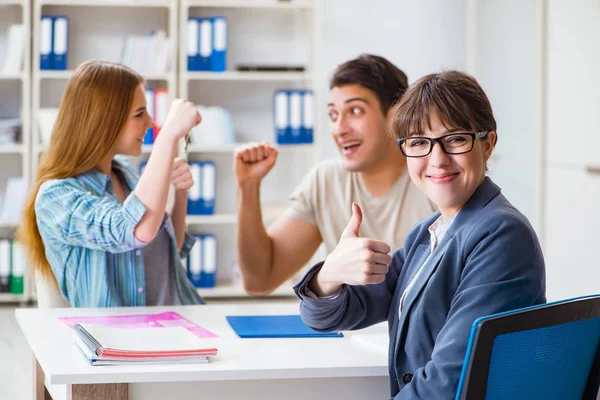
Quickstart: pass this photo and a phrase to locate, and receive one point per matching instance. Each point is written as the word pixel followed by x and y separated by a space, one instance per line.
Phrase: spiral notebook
pixel 274 326
pixel 104 345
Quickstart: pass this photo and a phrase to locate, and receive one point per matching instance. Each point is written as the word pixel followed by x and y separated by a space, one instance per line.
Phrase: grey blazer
pixel 489 261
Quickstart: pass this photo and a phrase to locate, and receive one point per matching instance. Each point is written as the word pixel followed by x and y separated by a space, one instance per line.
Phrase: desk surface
pixel 238 359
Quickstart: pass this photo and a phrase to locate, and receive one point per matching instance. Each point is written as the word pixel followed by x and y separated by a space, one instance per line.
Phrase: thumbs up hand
pixel 355 260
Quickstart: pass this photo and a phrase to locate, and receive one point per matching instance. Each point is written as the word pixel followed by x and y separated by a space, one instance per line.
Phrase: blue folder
pixel 274 326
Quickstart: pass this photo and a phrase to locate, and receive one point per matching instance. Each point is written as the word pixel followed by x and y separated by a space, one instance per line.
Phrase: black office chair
pixel 546 352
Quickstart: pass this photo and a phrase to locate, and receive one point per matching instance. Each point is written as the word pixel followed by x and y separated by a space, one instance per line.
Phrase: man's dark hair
pixel 375 73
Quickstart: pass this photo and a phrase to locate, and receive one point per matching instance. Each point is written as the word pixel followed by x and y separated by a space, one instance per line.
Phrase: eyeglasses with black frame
pixel 452 143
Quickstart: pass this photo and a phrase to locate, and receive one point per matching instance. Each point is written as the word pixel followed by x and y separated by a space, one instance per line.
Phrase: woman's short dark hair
pixel 454 96
pixel 375 73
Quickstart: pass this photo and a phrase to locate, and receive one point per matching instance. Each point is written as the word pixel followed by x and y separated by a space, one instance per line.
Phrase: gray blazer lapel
pixel 423 278
pixel 415 262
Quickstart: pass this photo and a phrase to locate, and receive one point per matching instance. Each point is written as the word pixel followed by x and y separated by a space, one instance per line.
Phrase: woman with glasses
pixel 477 256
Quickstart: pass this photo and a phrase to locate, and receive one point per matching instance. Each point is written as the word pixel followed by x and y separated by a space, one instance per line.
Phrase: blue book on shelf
pixel 193 47
pixel 195 193
pixel 149 93
pixel 202 262
pixel 60 46
pixel 295 115
pixel 274 326
pixel 205 44
pixel 281 114
pixel 209 180
pixel 46 40
pixel 306 130
pixel 218 58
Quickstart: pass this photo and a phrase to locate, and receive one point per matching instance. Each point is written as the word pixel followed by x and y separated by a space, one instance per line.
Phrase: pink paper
pixel 161 320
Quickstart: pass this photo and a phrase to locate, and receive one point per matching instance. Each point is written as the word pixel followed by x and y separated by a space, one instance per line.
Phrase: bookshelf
pixel 291 31
pixel 266 32
pixel 88 22
pixel 15 102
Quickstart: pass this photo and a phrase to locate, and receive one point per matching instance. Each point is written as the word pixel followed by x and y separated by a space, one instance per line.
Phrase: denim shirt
pixel 90 245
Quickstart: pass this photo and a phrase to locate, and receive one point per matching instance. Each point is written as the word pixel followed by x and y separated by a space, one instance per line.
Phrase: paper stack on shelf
pixel 216 128
pixel 45 119
pixel 10 130
pixel 105 345
pixel 13 58
pixel 147 54
pixel 14 199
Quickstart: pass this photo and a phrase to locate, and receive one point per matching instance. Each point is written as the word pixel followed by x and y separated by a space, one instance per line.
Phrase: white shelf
pixel 107 3
pixel 11 3
pixel 11 298
pixel 235 292
pixel 270 212
pixel 246 76
pixel 11 149
pixel 230 148
pixel 66 74
pixel 215 219
pixel 55 74
pixel 11 76
pixel 273 4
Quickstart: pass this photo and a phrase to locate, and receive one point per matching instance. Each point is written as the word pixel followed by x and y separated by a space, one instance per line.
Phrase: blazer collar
pixel 487 191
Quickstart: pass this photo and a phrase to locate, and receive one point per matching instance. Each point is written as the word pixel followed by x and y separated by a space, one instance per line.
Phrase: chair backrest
pixel 550 351
pixel 48 295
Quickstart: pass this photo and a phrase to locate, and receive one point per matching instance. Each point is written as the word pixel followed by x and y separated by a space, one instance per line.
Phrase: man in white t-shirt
pixel 372 173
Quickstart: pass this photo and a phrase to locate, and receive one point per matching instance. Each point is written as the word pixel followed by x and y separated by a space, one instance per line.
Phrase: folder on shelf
pixel 161 52
pixel 295 115
pixel 205 43
pixel 17 283
pixel 209 179
pixel 195 192
pixel 161 109
pixel 149 137
pixel 218 58
pixel 208 277
pixel 306 134
pixel 193 47
pixel 281 111
pixel 201 196
pixel 274 326
pixel 105 345
pixel 46 41
pixel 202 262
pixel 5 263
pixel 60 44
pixel 13 59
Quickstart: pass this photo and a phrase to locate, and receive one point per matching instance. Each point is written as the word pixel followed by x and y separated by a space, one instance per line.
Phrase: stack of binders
pixel 202 262
pixel 54 42
pixel 12 267
pixel 157 104
pixel 147 54
pixel 207 44
pixel 293 116
pixel 201 196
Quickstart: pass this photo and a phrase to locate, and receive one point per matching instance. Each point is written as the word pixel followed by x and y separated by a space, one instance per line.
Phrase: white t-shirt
pixel 324 198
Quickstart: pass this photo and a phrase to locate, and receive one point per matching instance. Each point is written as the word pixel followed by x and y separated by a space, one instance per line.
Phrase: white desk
pixel 303 369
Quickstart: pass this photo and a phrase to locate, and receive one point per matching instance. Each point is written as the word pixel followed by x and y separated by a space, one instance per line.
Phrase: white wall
pixel 420 37
pixel 507 41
